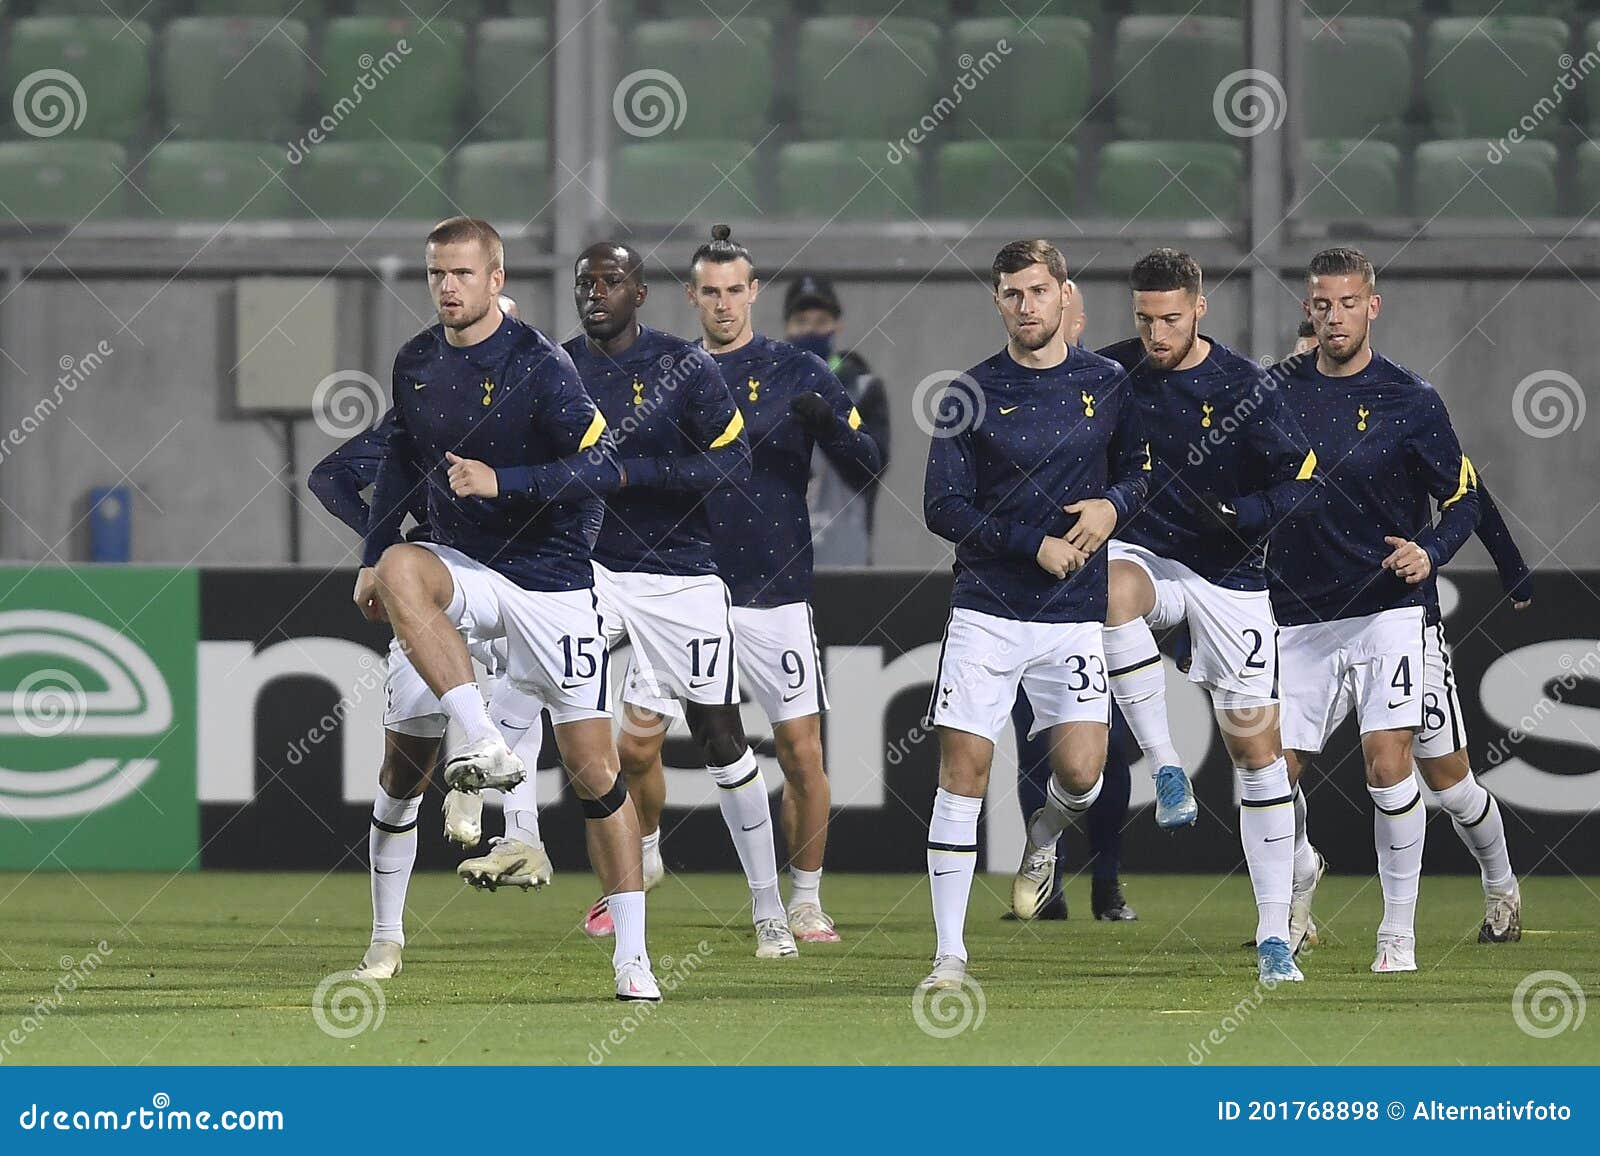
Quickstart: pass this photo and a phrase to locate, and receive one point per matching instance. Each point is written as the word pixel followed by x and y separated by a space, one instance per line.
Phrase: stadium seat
pixel 414 95
pixel 110 64
pixel 534 8
pixel 1018 178
pixel 1588 178
pixel 465 11
pixel 1036 90
pixel 260 64
pixel 1169 180
pixel 374 181
pixel 834 180
pixel 1348 179
pixel 711 9
pixel 1561 9
pixel 1481 77
pixel 937 10
pixel 507 182
pixel 1166 72
pixel 1077 9
pixel 511 79
pixel 216 181
pixel 858 78
pixel 1523 184
pixel 725 74
pixel 1229 8
pixel 306 11
pixel 1342 9
pixel 67 181
pixel 1374 52
pixel 676 180
pixel 150 13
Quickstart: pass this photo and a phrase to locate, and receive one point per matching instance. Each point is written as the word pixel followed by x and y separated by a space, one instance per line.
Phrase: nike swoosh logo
pixel 952 871
pixel 1008 409
pixel 569 686
pixel 757 827
pixel 511 726
pixel 1401 703
pixel 380 871
pixel 418 384
pixel 792 697
pixel 1392 847
pixel 1088 697
pixel 698 685
pixel 1280 838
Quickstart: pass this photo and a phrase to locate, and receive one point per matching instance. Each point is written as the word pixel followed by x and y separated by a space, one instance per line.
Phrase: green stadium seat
pixel 465 11
pixel 711 9
pixel 217 181
pixel 110 64
pixel 937 10
pixel 1366 62
pixel 414 95
pixel 1588 178
pixel 1481 77
pixel 1005 179
pixel 1171 180
pixel 306 11
pixel 67 181
pixel 1077 9
pixel 678 180
pixel 1228 8
pixel 860 78
pixel 727 85
pixel 506 182
pixel 259 64
pixel 150 13
pixel 1523 184
pixel 374 181
pixel 1036 90
pixel 1561 9
pixel 511 80
pixel 534 8
pixel 1167 72
pixel 834 180
pixel 1347 180
pixel 1340 9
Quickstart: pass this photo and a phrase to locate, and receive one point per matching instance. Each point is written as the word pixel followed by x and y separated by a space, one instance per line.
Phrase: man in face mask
pixel 841 512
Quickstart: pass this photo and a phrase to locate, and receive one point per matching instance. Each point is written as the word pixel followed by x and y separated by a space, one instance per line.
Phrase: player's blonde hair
pixel 454 230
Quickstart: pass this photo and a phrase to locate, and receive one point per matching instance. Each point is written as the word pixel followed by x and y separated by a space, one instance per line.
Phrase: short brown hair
pixel 1018 255
pixel 1342 261
pixel 453 230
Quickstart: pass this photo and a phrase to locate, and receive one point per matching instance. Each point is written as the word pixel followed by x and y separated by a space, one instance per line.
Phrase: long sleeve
pixel 1437 460
pixel 874 407
pixel 848 445
pixel 1493 532
pixel 713 424
pixel 949 504
pixel 399 477
pixel 574 429
pixel 1275 435
pixel 338 485
pixel 1128 470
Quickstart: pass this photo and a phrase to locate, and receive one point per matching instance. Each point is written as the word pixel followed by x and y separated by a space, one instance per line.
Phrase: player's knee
pixel 400 777
pixel 403 570
pixel 719 732
pixel 1387 767
pixel 1128 594
pixel 601 804
pixel 1445 771
pixel 800 755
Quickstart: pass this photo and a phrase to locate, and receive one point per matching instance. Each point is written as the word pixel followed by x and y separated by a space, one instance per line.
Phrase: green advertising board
pixel 97 731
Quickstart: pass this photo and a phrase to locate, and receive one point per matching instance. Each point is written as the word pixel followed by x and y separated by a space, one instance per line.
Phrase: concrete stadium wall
pixel 209 488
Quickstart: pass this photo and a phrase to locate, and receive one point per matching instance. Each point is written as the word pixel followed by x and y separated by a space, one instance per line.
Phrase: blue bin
pixel 110 524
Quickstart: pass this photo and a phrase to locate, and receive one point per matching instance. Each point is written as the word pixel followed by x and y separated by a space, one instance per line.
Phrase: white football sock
pixel 1475 814
pixel 1398 825
pixel 650 846
pixel 525 736
pixel 392 852
pixel 1061 809
pixel 1305 856
pixel 742 795
pixel 952 859
pixel 464 705
pixel 627 915
pixel 1139 683
pixel 1266 829
pixel 804 887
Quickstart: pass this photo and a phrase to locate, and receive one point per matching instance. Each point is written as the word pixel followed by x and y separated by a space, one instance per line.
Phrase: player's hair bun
pixel 721 232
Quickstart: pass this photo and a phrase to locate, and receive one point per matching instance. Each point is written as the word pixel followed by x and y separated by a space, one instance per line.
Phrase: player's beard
pixel 1352 349
pixel 468 320
pixel 1175 358
pixel 1038 338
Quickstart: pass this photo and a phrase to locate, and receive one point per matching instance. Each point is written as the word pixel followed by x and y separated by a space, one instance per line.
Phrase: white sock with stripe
pixel 627 916
pixel 1398 825
pixel 1266 829
pixel 1139 683
pixel 1305 856
pixel 952 860
pixel 391 853
pixel 1061 809
pixel 742 795
pixel 1475 814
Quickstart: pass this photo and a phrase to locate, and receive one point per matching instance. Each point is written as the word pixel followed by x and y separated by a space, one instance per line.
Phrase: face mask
pixel 819 343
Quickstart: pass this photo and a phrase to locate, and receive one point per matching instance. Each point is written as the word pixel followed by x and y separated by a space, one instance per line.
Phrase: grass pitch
pixel 218 968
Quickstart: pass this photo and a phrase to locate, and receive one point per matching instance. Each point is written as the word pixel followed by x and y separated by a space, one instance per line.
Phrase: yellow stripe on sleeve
pixel 735 425
pixel 855 418
pixel 1307 467
pixel 1148 458
pixel 596 428
pixel 1469 480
